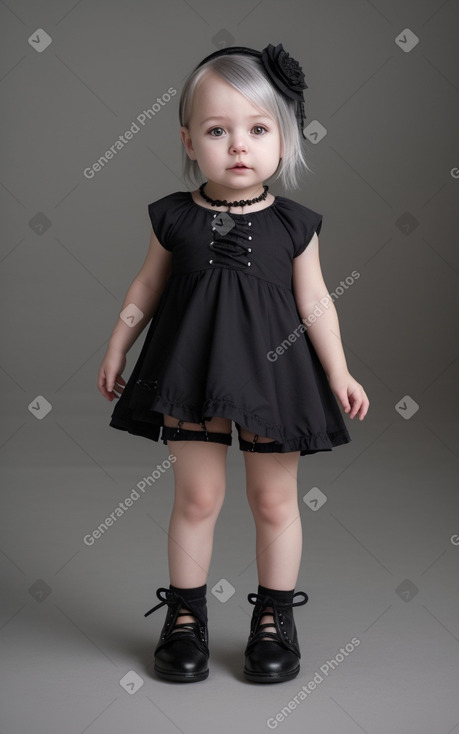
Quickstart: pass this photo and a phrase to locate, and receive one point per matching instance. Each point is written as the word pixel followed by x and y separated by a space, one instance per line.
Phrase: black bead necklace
pixel 243 202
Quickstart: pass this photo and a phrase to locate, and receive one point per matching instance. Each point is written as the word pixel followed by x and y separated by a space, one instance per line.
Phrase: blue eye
pixel 213 129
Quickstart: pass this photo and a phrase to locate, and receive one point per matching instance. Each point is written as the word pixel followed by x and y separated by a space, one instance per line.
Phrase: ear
pixel 187 142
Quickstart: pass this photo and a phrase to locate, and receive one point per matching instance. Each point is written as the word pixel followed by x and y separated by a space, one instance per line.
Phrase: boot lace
pixel 277 606
pixel 171 598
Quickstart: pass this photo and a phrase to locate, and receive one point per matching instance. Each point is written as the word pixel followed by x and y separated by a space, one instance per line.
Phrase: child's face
pixel 237 132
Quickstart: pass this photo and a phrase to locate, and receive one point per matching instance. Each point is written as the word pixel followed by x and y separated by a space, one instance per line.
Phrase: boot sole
pixel 270 677
pixel 182 677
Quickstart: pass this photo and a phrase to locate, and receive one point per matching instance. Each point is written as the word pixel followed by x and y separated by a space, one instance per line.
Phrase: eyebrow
pixel 222 117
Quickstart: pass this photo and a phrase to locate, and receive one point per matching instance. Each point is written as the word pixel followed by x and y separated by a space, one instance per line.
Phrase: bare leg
pixel 272 493
pixel 200 479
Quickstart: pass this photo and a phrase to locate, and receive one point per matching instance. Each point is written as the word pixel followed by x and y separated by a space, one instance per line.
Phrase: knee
pixel 272 506
pixel 199 503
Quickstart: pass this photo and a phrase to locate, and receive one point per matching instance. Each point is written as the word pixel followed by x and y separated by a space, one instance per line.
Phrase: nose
pixel 238 144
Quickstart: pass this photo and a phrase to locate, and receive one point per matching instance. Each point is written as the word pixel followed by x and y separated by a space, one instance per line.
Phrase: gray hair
pixel 245 74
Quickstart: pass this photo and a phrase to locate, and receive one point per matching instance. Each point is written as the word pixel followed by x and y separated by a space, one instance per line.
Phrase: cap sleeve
pixel 312 222
pixel 159 213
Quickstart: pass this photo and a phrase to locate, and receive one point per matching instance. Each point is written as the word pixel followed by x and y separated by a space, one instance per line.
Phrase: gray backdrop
pixel 381 525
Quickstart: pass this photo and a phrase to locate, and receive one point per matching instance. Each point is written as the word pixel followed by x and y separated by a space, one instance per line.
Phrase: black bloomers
pixel 177 433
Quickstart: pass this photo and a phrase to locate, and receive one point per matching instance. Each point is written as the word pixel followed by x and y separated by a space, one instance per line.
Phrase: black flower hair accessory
pixel 287 75
pixel 281 69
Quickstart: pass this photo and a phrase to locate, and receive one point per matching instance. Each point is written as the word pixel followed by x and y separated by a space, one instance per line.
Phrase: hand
pixel 350 394
pixel 109 380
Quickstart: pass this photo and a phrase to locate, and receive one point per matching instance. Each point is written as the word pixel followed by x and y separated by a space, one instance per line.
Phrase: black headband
pixel 281 70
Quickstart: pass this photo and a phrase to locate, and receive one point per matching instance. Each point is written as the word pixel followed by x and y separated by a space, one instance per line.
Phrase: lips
pixel 239 165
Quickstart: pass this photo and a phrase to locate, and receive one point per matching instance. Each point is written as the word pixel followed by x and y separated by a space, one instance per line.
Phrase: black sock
pixel 190 594
pixel 278 594
pixel 194 600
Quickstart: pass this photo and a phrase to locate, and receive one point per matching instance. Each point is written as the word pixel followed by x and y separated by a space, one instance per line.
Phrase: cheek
pixel 205 147
pixel 205 154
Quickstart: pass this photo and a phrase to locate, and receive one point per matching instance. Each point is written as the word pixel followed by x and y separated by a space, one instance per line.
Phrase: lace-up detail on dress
pixel 231 243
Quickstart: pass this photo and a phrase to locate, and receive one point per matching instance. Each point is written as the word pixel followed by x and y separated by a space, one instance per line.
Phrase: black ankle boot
pixel 182 656
pixel 277 658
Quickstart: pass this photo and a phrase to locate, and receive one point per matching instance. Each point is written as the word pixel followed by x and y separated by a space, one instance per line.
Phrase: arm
pixel 144 292
pixel 310 291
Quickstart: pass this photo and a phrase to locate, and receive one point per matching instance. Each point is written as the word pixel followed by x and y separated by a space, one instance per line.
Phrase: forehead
pixel 214 95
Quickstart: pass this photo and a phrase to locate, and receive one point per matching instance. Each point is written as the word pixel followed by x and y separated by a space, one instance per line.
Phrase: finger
pixel 364 409
pixel 355 408
pixel 108 386
pixel 343 397
pixel 101 384
pixel 110 381
pixel 100 380
pixel 361 407
pixel 356 402
pixel 106 394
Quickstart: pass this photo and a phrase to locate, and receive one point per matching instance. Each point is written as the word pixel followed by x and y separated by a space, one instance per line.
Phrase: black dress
pixel 226 338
